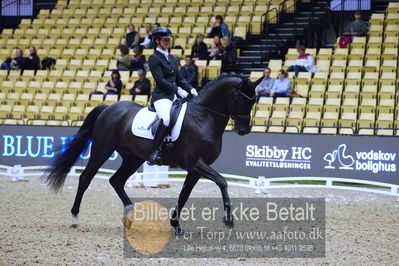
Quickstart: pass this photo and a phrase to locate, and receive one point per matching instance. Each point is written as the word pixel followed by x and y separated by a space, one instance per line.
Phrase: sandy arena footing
pixel 362 228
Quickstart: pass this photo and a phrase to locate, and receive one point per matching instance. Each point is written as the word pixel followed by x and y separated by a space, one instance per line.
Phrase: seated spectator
pixel 113 86
pixel 282 86
pixel 199 51
pixel 214 52
pixel 177 59
pixel 31 62
pixel 303 63
pixel 123 61
pixel 264 88
pixel 156 26
pixel 219 28
pixel 228 52
pixel 214 49
pixel 132 38
pixel 14 63
pixel 142 86
pixel 218 42
pixel 190 71
pixel 357 27
pixel 147 43
pixel 137 61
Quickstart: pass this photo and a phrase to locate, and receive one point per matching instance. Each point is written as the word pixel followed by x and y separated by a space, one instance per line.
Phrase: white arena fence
pixel 259 184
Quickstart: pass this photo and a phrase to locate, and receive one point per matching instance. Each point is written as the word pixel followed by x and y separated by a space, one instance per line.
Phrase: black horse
pixel 198 146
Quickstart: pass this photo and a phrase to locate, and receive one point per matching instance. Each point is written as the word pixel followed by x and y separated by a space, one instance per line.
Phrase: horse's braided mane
pixel 221 77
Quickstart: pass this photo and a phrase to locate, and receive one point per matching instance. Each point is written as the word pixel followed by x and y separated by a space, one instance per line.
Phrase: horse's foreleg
pixel 189 183
pixel 206 171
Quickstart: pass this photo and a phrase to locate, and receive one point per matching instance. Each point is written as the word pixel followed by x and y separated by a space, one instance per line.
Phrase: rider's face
pixel 164 43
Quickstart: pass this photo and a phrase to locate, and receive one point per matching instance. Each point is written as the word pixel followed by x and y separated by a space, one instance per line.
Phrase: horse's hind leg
pixel 97 158
pixel 189 183
pixel 130 164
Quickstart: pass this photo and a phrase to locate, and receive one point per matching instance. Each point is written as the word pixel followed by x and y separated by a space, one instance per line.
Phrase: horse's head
pixel 242 100
pixel 230 95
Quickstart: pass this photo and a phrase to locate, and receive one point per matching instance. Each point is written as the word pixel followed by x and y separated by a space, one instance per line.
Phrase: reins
pixel 236 96
pixel 207 108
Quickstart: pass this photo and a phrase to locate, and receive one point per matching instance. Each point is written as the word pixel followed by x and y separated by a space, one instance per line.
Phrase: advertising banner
pixel 293 155
pixel 257 154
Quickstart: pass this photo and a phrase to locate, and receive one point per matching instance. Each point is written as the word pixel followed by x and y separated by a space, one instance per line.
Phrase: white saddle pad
pixel 143 119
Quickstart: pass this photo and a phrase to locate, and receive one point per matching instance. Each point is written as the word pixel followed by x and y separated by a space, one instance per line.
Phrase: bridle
pixel 237 95
pixel 232 113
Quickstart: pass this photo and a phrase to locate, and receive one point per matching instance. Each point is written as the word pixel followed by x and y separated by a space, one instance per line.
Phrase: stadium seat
pixel 281 104
pixel 261 129
pixel 265 103
pixel 60 112
pixel 348 119
pixel 314 105
pixel 261 117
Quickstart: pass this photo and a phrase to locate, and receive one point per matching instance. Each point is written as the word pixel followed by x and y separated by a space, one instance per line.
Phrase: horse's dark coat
pixel 198 146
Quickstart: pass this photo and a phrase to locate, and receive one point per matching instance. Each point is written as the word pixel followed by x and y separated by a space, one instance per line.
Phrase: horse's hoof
pixel 73 226
pixel 179 231
pixel 127 223
pixel 228 222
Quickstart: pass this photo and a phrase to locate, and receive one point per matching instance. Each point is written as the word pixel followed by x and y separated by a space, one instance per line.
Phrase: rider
pixel 168 83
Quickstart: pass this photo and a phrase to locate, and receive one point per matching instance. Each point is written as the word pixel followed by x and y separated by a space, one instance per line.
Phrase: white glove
pixel 182 93
pixel 194 92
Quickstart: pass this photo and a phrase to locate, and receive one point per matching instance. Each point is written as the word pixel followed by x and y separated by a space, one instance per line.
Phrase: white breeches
pixel 162 107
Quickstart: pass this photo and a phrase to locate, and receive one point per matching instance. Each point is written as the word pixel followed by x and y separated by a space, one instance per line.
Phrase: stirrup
pixel 155 158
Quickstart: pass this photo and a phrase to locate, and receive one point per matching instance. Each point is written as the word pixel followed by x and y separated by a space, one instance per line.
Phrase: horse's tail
pixel 62 163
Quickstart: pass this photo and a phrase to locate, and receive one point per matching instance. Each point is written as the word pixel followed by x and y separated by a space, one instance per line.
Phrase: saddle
pixel 174 114
pixel 146 123
pixel 167 147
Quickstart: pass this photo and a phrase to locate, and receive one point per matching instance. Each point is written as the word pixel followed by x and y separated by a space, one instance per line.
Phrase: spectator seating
pixel 355 89
pixel 83 37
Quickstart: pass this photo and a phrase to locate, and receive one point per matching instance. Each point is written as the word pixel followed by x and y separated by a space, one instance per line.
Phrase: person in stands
pixel 199 51
pixel 132 38
pixel 142 86
pixel 14 63
pixel 228 51
pixel 219 28
pixel 113 86
pixel 137 61
pixel 264 88
pixel 123 61
pixel 357 27
pixel 214 49
pixel 156 26
pixel 190 71
pixel 282 86
pixel 147 43
pixel 31 62
pixel 303 63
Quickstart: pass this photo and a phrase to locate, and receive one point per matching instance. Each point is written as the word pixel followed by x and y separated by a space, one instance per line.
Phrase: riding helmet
pixel 161 32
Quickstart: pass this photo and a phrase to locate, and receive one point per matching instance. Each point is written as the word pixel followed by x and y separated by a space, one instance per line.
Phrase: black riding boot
pixel 155 157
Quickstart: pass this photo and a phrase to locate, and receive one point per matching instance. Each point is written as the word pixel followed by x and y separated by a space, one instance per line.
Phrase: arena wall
pixel 271 155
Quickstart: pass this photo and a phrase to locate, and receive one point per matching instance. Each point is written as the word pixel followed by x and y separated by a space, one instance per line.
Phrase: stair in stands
pixel 13 21
pixel 257 50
